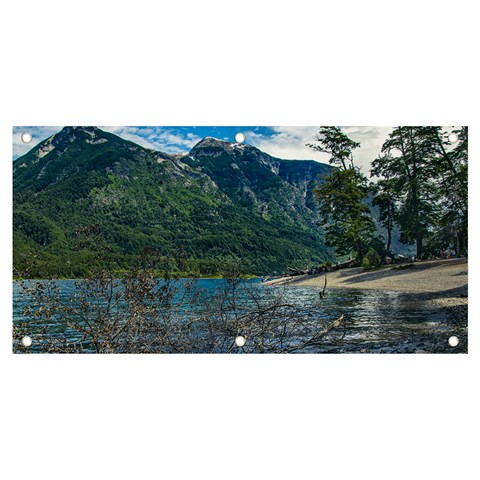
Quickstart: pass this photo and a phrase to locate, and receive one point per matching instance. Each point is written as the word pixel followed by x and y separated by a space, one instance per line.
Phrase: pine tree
pixel 348 223
pixel 408 162
pixel 452 177
pixel 426 175
pixel 384 199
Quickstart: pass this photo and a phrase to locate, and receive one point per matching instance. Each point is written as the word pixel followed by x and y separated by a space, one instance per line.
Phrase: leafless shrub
pixel 151 311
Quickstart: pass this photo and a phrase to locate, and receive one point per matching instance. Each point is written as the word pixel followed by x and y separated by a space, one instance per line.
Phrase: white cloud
pixel 156 138
pixel 284 142
pixel 38 135
pixel 371 140
pixel 289 143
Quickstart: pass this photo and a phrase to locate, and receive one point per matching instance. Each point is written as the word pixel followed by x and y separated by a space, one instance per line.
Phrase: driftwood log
pixel 293 272
pixel 322 292
pixel 316 341
pixel 347 264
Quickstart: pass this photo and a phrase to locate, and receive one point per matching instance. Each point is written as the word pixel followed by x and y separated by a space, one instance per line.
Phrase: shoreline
pixel 448 277
pixel 211 277
pixel 441 285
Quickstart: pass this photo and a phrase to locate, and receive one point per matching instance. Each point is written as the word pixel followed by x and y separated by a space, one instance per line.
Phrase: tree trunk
pixel 419 247
pixel 389 235
pixel 359 251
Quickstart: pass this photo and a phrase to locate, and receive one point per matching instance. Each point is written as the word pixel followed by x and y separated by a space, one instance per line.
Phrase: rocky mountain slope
pixel 221 199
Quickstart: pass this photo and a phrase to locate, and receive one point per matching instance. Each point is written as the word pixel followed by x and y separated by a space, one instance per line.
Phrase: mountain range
pixel 219 200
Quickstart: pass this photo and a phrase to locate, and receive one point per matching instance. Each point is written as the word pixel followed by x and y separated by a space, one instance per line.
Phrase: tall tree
pixel 452 177
pixel 348 224
pixel 408 161
pixel 339 146
pixel 384 199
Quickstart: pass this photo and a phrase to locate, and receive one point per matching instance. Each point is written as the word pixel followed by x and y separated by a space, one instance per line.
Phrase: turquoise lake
pixel 375 321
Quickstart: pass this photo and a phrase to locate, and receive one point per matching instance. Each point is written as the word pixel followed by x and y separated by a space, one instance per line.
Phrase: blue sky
pixel 281 142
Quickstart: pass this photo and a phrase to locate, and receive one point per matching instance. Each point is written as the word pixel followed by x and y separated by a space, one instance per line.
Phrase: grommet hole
pixel 26 137
pixel 453 341
pixel 240 137
pixel 240 341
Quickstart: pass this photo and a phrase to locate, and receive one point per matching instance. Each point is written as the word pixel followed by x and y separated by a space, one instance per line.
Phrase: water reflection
pixel 375 321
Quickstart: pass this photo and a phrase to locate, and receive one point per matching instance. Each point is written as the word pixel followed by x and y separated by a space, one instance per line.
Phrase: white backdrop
pixel 245 63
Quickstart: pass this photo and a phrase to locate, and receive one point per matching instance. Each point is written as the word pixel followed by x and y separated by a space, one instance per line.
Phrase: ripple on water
pixel 375 321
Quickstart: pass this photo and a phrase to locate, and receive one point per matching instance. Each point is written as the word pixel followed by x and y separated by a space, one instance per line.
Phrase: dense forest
pixel 85 194
pixel 85 191
pixel 418 184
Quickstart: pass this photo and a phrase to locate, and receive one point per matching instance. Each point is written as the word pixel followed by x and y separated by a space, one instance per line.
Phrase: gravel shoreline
pixel 456 310
pixel 439 285
pixel 449 277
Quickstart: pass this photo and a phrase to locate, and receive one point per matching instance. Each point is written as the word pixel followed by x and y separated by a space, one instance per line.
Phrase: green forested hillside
pixel 220 200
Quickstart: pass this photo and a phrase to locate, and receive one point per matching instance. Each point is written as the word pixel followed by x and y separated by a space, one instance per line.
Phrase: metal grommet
pixel 240 137
pixel 453 137
pixel 453 341
pixel 26 137
pixel 240 341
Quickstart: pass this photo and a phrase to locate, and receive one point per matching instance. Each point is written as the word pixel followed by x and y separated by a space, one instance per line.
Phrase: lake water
pixel 375 321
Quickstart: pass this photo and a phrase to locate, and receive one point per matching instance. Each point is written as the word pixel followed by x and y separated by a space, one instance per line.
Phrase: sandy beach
pixel 441 284
pixel 435 276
